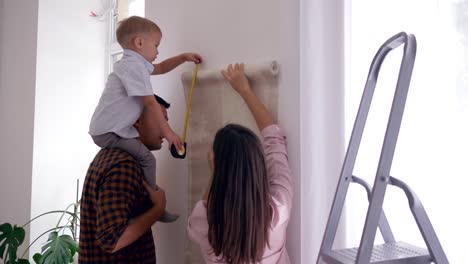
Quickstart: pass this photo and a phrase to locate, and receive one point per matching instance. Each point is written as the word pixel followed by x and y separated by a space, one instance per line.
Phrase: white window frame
pixel 114 49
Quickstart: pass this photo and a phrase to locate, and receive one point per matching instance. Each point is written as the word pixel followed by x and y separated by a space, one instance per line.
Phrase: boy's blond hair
pixel 131 26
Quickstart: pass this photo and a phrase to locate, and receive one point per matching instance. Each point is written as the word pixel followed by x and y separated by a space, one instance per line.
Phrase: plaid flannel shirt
pixel 113 194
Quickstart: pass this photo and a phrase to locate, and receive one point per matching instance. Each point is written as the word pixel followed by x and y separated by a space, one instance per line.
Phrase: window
pixel 432 146
pixel 121 9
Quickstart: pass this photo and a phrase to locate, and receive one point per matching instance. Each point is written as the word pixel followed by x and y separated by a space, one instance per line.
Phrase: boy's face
pixel 149 45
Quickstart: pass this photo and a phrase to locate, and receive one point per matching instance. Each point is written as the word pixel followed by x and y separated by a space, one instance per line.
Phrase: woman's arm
pixel 236 77
pixel 274 141
pixel 210 157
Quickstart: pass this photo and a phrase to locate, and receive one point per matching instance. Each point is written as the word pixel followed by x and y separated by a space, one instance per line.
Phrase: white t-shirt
pixel 121 103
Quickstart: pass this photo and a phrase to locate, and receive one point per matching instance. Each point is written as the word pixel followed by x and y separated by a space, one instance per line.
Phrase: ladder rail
pixel 384 226
pixel 375 216
pixel 423 222
pixel 391 135
pixel 355 139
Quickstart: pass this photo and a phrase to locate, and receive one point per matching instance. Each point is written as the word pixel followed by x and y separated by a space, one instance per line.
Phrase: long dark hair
pixel 238 206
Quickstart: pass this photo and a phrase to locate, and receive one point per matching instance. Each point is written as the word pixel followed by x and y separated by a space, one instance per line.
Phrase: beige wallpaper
pixel 215 104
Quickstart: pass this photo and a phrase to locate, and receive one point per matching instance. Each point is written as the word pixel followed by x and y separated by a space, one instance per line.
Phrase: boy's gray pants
pixel 133 146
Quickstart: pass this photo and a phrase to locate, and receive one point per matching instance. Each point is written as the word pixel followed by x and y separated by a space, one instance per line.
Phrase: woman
pixel 244 213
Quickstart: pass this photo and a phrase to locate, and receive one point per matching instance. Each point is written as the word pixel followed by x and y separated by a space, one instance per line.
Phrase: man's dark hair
pixel 162 102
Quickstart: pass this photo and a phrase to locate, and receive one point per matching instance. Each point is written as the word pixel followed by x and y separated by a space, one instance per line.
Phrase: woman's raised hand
pixel 235 75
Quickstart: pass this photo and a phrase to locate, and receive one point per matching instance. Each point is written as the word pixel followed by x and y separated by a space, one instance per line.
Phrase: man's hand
pixel 157 196
pixel 193 57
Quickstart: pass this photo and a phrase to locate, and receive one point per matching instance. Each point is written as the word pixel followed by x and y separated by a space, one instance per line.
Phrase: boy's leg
pixel 105 140
pixel 135 148
pixel 142 154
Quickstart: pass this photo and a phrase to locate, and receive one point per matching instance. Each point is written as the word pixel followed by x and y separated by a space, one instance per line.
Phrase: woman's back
pixel 279 184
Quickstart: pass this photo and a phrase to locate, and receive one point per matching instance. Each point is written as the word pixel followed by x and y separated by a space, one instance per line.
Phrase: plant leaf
pixel 10 238
pixel 37 258
pixel 5 229
pixel 23 261
pixel 58 249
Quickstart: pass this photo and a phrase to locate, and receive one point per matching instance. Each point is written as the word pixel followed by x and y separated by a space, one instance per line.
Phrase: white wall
pixel 322 117
pixel 224 32
pixel 70 78
pixel 18 31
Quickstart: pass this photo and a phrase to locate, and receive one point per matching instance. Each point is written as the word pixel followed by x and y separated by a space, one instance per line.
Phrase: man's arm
pixel 117 198
pixel 171 63
pixel 141 224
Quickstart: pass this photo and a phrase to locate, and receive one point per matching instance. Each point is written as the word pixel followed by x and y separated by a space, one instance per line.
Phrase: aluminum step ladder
pixel 391 251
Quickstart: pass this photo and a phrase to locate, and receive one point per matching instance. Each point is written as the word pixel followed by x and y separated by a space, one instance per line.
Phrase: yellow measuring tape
pixel 189 103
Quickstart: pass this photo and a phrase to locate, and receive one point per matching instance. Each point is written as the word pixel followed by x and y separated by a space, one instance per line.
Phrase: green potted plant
pixel 60 247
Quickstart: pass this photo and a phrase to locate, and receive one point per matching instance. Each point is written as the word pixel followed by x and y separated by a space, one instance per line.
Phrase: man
pixel 118 207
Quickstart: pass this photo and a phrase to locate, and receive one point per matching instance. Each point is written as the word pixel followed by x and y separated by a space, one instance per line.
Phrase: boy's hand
pixel 173 139
pixel 236 77
pixel 157 196
pixel 193 57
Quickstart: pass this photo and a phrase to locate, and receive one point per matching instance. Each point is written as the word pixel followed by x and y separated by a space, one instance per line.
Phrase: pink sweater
pixel 279 173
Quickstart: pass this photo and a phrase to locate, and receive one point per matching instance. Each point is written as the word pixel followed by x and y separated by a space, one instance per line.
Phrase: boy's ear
pixel 138 41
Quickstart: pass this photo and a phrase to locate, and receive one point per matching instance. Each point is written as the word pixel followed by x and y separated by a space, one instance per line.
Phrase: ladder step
pixel 389 253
